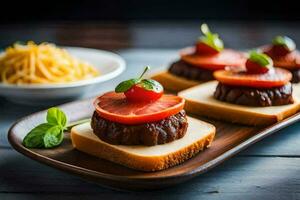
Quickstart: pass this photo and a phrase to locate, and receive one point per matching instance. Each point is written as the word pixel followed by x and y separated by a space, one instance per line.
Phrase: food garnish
pixel 42 64
pixel 115 107
pixel 137 101
pixel 209 53
pixel 258 63
pixel 214 62
pixel 278 77
pixel 259 73
pixel 139 89
pixel 51 133
pixel 282 45
pixel 210 43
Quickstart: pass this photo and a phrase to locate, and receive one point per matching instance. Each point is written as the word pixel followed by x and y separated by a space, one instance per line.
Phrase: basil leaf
pixel 56 117
pixel 53 137
pixel 284 41
pixel 50 134
pixel 150 84
pixel 261 59
pixel 205 30
pixel 211 39
pixel 126 85
pixel 35 138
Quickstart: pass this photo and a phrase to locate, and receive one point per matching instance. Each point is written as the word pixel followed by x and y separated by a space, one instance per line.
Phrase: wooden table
pixel 269 169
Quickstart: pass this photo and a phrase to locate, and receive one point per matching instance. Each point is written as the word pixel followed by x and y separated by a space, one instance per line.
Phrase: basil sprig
pixel 211 39
pixel 261 59
pixel 285 41
pixel 147 84
pixel 51 133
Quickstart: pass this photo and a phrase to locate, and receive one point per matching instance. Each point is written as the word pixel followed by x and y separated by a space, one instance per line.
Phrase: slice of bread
pixel 146 158
pixel 174 83
pixel 296 90
pixel 200 101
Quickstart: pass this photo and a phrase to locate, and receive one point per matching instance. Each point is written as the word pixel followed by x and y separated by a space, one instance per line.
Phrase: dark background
pixel 118 10
pixel 123 24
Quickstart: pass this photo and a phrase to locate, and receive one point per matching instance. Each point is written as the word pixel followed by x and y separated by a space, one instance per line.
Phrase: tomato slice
pixel 298 61
pixel 115 107
pixel 288 61
pixel 274 78
pixel 227 57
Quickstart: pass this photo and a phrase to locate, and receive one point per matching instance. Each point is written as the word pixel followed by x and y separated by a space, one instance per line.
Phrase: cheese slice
pixel 200 101
pixel 174 83
pixel 199 135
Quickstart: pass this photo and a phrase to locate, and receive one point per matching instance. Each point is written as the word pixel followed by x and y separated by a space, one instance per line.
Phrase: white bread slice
pixel 146 158
pixel 200 101
pixel 296 90
pixel 174 83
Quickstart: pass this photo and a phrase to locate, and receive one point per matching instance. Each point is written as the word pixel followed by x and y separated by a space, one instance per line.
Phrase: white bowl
pixel 109 64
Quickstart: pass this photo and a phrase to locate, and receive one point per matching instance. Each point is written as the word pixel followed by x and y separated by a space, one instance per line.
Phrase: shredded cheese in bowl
pixel 42 64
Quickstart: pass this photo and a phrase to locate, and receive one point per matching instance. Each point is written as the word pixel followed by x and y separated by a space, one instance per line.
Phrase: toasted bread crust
pixel 240 117
pixel 109 152
pixel 296 90
pixel 215 111
pixel 174 83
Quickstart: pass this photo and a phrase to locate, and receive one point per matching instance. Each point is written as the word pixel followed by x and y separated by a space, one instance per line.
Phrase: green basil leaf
pixel 56 117
pixel 205 30
pixel 284 41
pixel 261 59
pixel 50 134
pixel 34 139
pixel 150 84
pixel 53 137
pixel 126 85
pixel 211 39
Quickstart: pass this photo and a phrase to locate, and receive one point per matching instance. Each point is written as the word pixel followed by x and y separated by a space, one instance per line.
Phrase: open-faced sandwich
pixel 285 55
pixel 197 64
pixel 260 94
pixel 140 127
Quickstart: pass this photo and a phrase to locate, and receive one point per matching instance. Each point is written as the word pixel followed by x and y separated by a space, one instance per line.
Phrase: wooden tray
pixel 230 139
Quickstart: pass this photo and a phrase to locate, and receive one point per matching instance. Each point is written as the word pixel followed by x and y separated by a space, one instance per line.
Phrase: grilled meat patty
pixel 154 133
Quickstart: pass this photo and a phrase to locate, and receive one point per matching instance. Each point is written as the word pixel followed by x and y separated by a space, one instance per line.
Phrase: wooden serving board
pixel 230 139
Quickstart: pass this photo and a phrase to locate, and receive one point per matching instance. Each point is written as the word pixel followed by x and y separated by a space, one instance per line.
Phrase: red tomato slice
pixel 227 57
pixel 288 61
pixel 298 61
pixel 115 107
pixel 274 78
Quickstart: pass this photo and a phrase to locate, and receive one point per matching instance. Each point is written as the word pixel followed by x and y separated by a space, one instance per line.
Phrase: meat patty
pixel 185 70
pixel 160 132
pixel 296 75
pixel 253 96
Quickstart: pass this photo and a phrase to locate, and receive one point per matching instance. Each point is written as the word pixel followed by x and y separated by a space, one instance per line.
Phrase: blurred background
pixel 119 24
